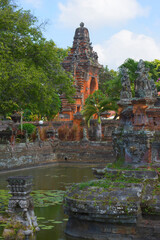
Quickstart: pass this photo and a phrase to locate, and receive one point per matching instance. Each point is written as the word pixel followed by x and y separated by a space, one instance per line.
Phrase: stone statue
pixel 85 137
pixel 142 82
pixel 126 93
pixel 153 88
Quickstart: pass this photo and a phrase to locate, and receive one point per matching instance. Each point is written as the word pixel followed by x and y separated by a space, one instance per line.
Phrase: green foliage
pixel 62 53
pixel 110 181
pixel 28 127
pixel 105 75
pixel 100 183
pixel 95 105
pixel 110 84
pixel 27 115
pixel 4 200
pixel 154 72
pixel 119 163
pixel 31 76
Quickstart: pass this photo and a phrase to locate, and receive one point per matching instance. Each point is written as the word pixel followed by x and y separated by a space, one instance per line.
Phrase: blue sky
pixel 118 29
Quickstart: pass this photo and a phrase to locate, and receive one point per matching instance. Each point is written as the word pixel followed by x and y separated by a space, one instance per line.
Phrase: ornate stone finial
pixel 81 24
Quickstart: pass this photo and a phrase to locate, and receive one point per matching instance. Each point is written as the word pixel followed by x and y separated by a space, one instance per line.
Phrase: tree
pixel 95 105
pixel 105 75
pixel 154 71
pixel 110 84
pixel 31 76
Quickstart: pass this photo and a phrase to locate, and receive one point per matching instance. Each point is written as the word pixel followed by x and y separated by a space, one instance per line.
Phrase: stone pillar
pixel 20 205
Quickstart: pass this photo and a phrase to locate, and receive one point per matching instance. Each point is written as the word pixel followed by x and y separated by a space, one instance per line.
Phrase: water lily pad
pixel 2 224
pixel 41 225
pixel 47 227
pixel 65 219
pixel 57 222
pixel 42 198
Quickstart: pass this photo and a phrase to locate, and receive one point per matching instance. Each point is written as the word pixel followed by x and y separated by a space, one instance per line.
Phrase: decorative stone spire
pixel 81 34
pixel 81 24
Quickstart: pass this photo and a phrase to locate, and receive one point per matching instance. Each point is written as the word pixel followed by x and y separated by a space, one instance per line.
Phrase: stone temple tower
pixel 82 62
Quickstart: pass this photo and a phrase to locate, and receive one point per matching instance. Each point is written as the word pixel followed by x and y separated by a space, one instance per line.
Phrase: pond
pixel 52 219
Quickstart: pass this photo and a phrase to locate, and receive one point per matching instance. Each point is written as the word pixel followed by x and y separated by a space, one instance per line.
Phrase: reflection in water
pixel 52 178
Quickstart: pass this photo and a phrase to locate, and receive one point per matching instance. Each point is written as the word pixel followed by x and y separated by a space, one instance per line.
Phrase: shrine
pixel 82 62
pixel 137 138
pixel 124 202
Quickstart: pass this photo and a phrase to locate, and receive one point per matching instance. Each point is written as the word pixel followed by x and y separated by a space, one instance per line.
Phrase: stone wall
pixel 89 152
pixel 25 155
pixel 33 154
pixel 108 126
pixel 20 155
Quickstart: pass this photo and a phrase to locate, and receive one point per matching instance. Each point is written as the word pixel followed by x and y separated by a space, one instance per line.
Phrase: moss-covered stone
pixel 120 197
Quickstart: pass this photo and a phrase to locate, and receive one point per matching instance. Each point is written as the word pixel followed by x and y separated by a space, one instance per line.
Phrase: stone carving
pixel 138 120
pixel 85 137
pixel 153 88
pixel 126 93
pixel 81 24
pixel 20 205
pixel 142 82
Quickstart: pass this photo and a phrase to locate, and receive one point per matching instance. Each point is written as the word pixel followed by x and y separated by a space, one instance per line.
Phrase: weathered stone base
pixel 144 230
pixel 122 205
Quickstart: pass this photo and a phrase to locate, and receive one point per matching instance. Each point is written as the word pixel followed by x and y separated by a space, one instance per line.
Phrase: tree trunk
pixel 99 132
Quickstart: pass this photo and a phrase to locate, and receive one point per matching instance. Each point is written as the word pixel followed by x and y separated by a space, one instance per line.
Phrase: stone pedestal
pixel 117 206
pixel 20 206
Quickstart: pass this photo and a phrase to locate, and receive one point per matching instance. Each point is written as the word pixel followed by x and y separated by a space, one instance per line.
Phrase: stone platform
pixel 123 204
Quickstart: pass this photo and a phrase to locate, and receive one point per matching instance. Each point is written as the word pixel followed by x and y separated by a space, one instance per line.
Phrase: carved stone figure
pixel 126 93
pixel 153 88
pixel 142 82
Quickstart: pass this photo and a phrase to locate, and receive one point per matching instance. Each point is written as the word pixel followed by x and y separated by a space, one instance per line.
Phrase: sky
pixel 119 29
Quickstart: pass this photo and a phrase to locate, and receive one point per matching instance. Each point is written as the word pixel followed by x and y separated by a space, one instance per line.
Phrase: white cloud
pixel 99 12
pixel 35 3
pixel 126 44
